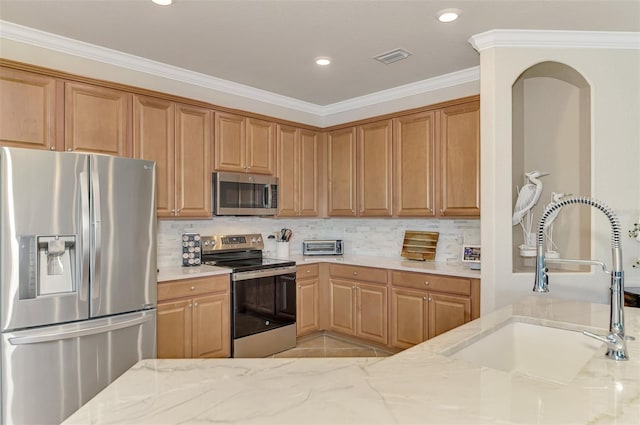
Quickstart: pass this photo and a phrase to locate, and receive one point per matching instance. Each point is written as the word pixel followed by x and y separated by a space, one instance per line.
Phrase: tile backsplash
pixel 379 237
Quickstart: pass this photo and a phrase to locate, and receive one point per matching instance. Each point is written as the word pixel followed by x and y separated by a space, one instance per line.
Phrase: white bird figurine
pixel 528 196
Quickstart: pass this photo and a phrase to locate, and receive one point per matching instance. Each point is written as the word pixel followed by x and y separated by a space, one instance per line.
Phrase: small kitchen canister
pixel 282 250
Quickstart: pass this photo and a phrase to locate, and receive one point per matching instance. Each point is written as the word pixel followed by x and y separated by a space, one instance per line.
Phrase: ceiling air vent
pixel 392 56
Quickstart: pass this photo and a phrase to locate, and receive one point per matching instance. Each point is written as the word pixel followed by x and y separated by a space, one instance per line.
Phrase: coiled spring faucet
pixel 615 340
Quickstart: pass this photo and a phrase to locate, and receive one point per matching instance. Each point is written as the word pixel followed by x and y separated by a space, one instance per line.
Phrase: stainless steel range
pixel 263 294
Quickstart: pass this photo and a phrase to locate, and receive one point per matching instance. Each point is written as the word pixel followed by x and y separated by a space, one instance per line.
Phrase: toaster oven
pixel 322 247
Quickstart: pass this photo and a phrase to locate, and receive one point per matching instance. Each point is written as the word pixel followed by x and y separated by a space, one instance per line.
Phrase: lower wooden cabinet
pixel 307 299
pixel 358 308
pixel 193 318
pixel 425 306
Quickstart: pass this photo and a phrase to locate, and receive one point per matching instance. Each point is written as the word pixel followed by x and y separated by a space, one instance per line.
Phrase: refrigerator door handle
pixel 75 333
pixel 97 234
pixel 86 249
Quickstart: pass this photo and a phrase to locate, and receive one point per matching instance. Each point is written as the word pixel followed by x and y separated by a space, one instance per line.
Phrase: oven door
pixel 264 312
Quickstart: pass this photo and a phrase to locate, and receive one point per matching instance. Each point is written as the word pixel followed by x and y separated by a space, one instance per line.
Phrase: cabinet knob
pixel 426 282
pixel 190 305
pixel 193 288
pixel 308 271
pixel 424 298
pixel 69 149
pixel 195 304
pixel 173 210
pixel 52 148
pixel 299 287
pixel 353 287
pixel 430 299
pixel 355 273
pixel 178 210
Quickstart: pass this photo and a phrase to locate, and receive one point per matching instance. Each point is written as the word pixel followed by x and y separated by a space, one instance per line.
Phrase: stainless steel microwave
pixel 244 194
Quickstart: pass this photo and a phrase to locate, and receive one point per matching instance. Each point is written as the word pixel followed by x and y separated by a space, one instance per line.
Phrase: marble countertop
pixel 420 385
pixel 177 273
pixel 449 268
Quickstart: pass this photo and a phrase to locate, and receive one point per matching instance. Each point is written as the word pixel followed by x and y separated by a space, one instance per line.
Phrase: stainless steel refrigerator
pixel 77 278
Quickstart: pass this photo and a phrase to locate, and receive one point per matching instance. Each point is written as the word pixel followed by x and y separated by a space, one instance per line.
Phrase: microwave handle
pixel 267 198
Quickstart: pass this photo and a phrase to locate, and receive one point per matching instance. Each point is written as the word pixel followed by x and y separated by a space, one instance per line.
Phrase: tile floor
pixel 323 345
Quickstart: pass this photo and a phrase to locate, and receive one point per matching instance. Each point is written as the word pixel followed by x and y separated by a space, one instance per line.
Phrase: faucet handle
pixel 616 345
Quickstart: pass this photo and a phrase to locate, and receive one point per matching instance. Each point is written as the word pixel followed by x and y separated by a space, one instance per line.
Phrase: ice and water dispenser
pixel 54 258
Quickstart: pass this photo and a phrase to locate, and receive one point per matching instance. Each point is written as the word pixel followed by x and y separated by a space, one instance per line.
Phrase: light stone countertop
pixel 177 273
pixel 417 386
pixel 448 268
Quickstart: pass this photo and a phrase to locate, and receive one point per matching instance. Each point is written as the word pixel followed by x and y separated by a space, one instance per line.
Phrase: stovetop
pixel 250 264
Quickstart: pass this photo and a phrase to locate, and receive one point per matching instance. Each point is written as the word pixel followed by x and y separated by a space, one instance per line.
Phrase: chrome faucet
pixel 615 340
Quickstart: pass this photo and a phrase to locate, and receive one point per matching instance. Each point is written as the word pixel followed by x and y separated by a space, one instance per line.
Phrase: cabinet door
pixel 414 153
pixel 307 319
pixel 447 312
pixel 342 306
pixel 341 172
pixel 308 174
pixel 154 140
pixel 97 119
pixel 174 329
pixel 211 335
pixel 372 312
pixel 287 171
pixel 29 107
pixel 374 169
pixel 409 317
pixel 230 143
pixel 261 147
pixel 460 160
pixel 193 161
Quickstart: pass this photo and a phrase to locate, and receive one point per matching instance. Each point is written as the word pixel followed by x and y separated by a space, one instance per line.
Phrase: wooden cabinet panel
pixel 230 142
pixel 450 284
pixel 341 172
pixel 368 274
pixel 447 312
pixel 305 271
pixel 307 302
pixel 97 119
pixel 261 147
pixel 193 161
pixel 154 140
pixel 194 318
pixel 342 306
pixel 409 318
pixel 174 339
pixel 288 171
pixel 29 109
pixel 460 160
pixel 374 169
pixel 414 159
pixel 211 330
pixel 372 312
pixel 308 174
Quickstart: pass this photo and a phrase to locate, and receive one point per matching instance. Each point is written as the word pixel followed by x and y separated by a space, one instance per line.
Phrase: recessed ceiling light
pixel 448 15
pixel 163 2
pixel 323 61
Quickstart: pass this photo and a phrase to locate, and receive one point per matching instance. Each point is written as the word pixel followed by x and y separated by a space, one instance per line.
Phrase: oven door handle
pixel 256 274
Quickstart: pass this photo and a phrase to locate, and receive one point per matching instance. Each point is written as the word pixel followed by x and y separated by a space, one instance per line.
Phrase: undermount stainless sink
pixel 532 350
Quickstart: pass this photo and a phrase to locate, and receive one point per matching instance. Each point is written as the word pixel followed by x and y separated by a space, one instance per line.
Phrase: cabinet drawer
pixel 452 285
pixel 191 287
pixel 307 270
pixel 359 273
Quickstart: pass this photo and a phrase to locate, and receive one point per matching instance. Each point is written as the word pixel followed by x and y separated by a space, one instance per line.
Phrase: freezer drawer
pixel 49 372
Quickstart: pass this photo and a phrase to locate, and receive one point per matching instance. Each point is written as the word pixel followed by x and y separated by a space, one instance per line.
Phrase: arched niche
pixel 552 133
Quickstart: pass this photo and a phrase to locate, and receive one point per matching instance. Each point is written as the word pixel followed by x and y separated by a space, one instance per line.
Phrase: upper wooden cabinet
pixel 30 108
pixel 297 172
pixel 179 138
pixel 414 158
pixel 460 160
pixel 97 119
pixel 244 145
pixel 360 170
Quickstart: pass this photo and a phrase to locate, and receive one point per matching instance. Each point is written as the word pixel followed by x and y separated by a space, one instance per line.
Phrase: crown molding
pixel 411 89
pixel 555 39
pixel 31 36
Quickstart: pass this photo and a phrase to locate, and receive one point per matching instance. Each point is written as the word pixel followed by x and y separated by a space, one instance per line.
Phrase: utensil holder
pixel 282 250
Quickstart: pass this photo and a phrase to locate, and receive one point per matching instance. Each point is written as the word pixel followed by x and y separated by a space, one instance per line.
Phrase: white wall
pixel 614 77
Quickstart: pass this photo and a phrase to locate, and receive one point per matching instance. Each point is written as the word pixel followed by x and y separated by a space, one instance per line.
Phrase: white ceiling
pixel 271 44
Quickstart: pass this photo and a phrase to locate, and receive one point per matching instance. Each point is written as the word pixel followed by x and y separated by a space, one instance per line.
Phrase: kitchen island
pixel 421 385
